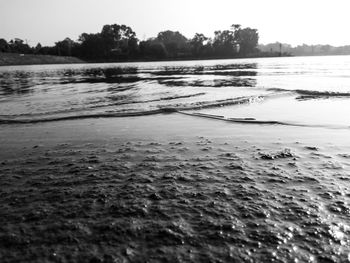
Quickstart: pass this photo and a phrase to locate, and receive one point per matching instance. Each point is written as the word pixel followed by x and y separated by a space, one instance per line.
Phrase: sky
pixel 287 21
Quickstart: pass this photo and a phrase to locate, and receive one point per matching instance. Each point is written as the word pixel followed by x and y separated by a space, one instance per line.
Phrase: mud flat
pixel 173 188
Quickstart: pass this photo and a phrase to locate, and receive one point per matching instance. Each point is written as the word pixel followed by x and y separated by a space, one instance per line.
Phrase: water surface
pixel 293 90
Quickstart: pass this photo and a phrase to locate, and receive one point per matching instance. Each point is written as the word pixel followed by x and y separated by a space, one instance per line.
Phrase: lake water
pixel 292 90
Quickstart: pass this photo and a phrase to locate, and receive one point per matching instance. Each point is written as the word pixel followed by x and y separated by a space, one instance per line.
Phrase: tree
pixel 174 42
pixel 153 48
pixel 91 46
pixel 17 45
pixel 247 39
pixel 225 43
pixel 115 41
pixel 4 46
pixel 37 49
pixel 119 40
pixel 64 47
pixel 236 27
pixel 197 44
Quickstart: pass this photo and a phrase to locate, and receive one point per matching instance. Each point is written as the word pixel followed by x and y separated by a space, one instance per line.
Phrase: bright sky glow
pixel 288 21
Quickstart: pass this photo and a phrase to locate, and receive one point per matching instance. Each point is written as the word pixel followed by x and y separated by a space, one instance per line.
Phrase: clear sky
pixel 287 21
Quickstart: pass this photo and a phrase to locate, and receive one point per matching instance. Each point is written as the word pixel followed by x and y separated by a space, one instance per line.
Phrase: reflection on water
pixel 78 90
pixel 18 82
pixel 215 83
pixel 119 87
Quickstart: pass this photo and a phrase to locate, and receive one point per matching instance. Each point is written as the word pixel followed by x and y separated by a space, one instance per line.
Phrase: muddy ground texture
pixel 196 200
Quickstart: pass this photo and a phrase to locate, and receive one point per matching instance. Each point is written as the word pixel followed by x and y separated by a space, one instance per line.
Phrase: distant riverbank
pixel 12 59
pixel 8 59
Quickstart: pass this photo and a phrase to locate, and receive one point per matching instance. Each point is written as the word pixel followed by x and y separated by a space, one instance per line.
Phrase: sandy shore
pixel 173 188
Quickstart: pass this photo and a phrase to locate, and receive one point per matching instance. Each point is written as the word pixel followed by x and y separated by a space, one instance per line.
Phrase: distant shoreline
pixel 14 59
pixel 179 59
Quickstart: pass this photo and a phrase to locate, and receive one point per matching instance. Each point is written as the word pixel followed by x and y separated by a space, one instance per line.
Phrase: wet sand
pixel 173 188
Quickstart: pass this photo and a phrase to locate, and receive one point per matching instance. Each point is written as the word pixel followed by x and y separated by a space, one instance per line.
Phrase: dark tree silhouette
pixel 225 43
pixel 114 42
pixel 37 48
pixel 153 48
pixel 175 43
pixel 119 42
pixel 198 44
pixel 65 47
pixel 92 46
pixel 18 46
pixel 4 46
pixel 247 39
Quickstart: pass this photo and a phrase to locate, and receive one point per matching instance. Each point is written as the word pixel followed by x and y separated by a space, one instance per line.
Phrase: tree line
pixel 119 42
pixel 303 50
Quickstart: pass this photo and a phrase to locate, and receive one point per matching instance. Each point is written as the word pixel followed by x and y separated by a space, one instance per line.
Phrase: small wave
pixel 323 93
pixel 88 116
pixel 311 94
pixel 216 83
pixel 163 98
pixel 266 122
pixel 240 73
pixel 168 110
pixel 278 90
pixel 216 103
pixel 200 70
pixel 160 109
pixel 117 79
